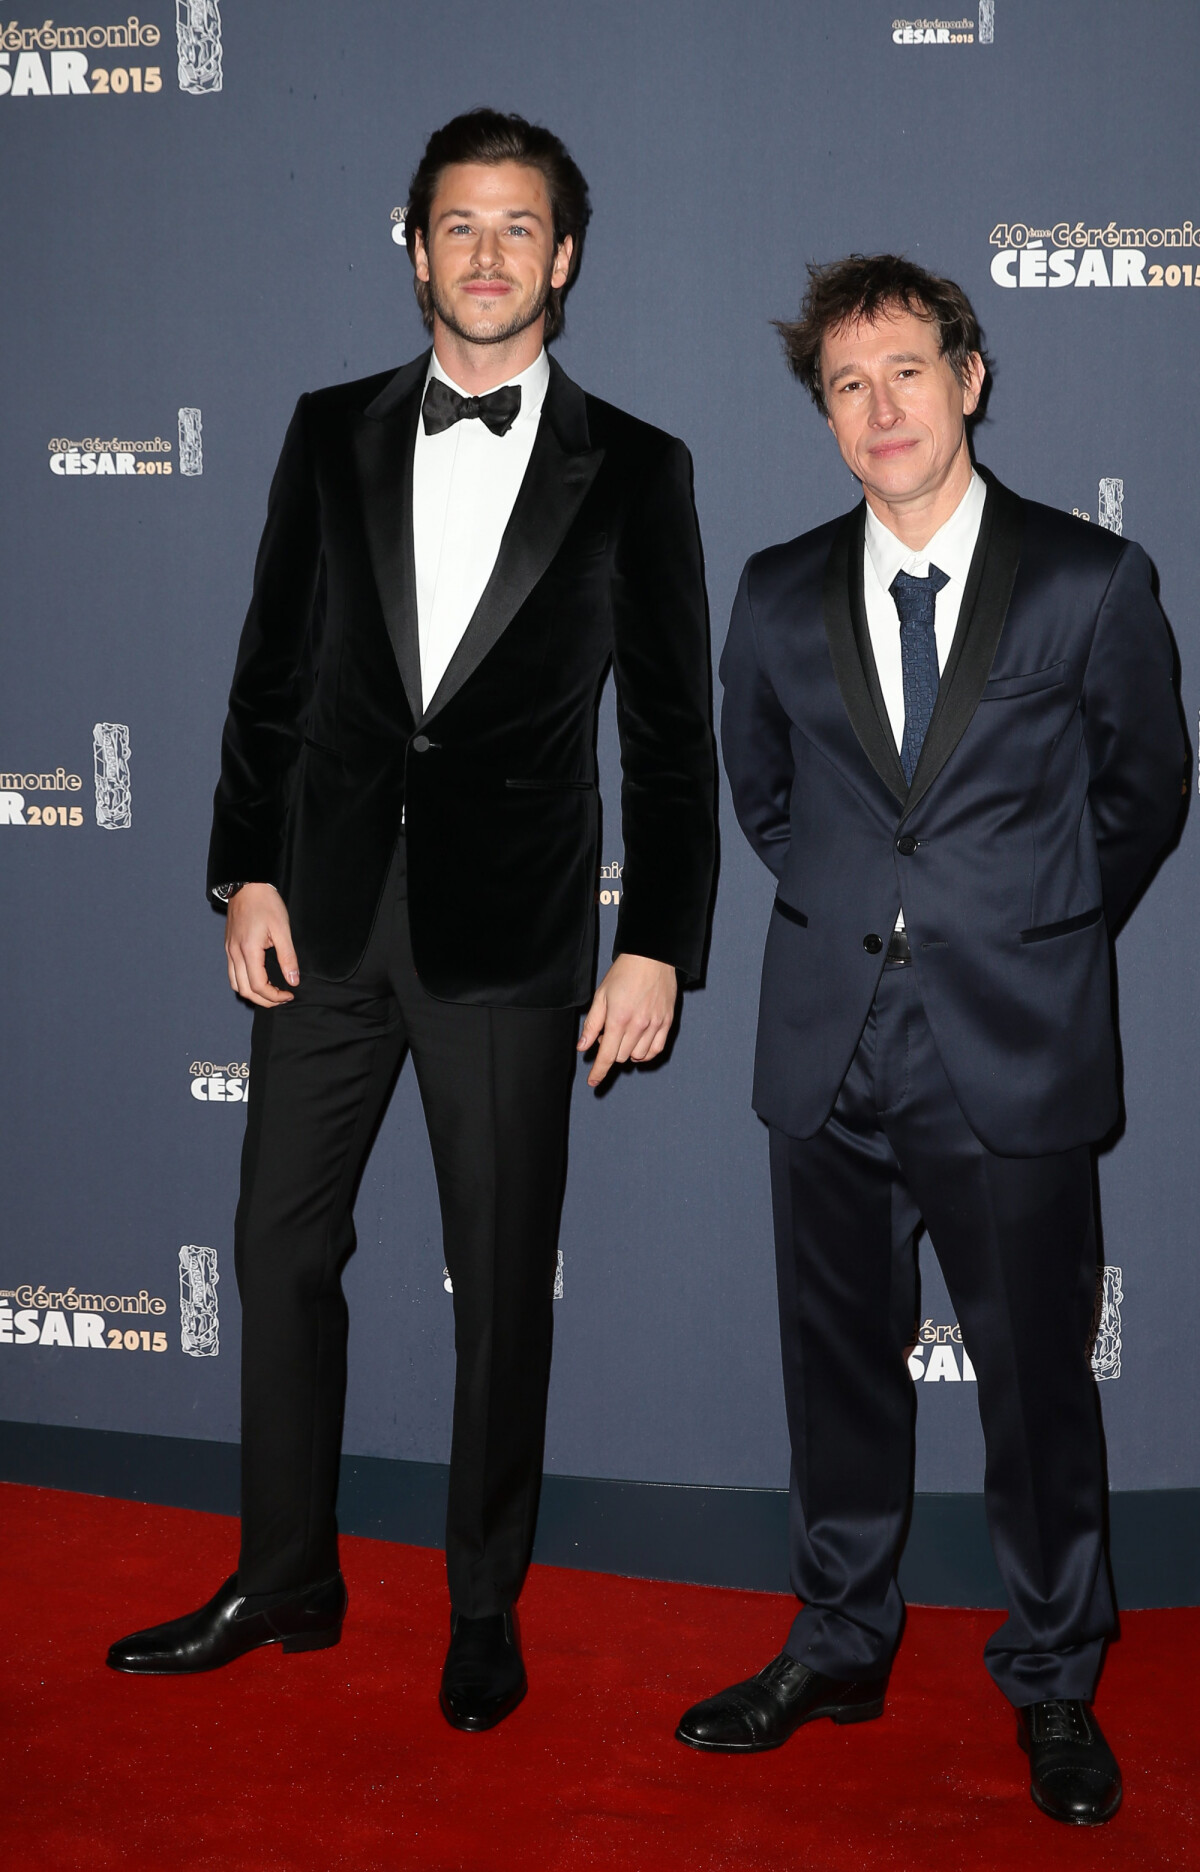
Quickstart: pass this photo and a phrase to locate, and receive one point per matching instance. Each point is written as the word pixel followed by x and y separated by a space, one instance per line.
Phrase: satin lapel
pixel 851 654
pixel 980 621
pixel 383 447
pixel 561 469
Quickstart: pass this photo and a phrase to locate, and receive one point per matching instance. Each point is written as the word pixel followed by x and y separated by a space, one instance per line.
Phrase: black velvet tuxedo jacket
pixel 327 741
pixel 1048 782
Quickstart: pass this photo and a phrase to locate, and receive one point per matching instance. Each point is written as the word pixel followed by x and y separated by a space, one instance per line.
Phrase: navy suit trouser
pixel 1016 1240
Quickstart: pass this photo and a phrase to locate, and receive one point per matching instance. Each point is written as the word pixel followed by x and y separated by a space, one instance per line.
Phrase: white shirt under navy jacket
pixel 951 549
pixel 465 483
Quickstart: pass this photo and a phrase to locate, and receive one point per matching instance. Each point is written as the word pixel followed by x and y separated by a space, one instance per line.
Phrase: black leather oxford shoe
pixel 224 1630
pixel 1073 1774
pixel 765 1710
pixel 484 1678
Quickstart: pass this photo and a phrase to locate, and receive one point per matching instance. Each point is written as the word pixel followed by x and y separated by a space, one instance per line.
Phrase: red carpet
pixel 341 1759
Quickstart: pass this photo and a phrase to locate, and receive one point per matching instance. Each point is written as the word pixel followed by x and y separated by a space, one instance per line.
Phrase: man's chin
pixel 481 327
pixel 899 478
pixel 488 333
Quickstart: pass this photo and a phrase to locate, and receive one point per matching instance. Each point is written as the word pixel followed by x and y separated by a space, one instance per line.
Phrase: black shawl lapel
pixel 561 469
pixel 383 447
pixel 981 618
pixel 851 653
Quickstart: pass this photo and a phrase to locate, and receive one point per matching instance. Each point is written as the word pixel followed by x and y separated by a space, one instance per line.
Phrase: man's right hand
pixel 257 920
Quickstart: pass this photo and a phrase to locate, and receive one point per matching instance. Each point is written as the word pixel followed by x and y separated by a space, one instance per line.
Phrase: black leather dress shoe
pixel 224 1630
pixel 765 1710
pixel 1073 1774
pixel 484 1678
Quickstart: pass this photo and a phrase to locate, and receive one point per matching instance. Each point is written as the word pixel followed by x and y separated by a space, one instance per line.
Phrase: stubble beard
pixel 521 321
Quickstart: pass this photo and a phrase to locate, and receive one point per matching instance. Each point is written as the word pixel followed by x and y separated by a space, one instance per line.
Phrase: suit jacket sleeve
pixel 1137 750
pixel 664 718
pixel 755 739
pixel 272 678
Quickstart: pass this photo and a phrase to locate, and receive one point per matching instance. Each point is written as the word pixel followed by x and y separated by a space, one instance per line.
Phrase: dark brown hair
pixel 862 287
pixel 488 136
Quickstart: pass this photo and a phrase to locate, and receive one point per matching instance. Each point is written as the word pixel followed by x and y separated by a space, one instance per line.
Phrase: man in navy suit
pixel 951 733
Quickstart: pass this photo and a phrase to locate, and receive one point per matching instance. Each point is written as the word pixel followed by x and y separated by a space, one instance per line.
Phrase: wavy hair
pixel 862 287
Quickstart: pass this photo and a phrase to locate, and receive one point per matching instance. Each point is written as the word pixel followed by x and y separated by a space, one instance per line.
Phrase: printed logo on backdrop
pixel 220 1085
pixel 198 36
pixel 74 61
pixel 1106 1325
pixel 1110 506
pixel 608 891
pixel 556 1292
pixel 1074 254
pixel 119 455
pixel 948 32
pixel 16 810
pixel 114 796
pixel 61 61
pixel 939 1355
pixel 199 1313
pixel 79 1321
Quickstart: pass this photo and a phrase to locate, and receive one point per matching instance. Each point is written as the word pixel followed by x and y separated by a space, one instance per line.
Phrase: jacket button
pixel 420 744
pixel 906 844
pixel 872 944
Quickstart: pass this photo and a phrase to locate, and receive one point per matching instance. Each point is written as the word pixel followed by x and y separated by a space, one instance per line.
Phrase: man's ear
pixel 420 257
pixel 973 387
pixel 562 262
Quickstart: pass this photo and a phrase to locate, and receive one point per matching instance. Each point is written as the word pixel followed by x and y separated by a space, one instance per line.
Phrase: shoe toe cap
pixel 715 1723
pixel 1082 1795
pixel 464 1710
pixel 137 1652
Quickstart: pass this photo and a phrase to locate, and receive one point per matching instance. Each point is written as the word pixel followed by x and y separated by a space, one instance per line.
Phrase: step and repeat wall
pixel 202 220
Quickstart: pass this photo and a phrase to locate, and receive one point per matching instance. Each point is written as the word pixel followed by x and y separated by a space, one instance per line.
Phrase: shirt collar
pixel 533 382
pixel 950 549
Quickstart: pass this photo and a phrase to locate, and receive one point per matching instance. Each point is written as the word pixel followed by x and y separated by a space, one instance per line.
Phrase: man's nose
pixel 487 249
pixel 885 411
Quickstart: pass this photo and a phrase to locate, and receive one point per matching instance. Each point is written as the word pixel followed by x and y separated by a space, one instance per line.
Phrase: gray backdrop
pixel 218 250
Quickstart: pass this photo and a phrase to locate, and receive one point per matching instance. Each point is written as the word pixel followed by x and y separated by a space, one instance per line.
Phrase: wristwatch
pixel 223 892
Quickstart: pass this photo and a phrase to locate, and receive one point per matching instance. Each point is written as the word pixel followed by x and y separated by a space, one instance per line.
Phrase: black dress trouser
pixel 495 1085
pixel 1015 1237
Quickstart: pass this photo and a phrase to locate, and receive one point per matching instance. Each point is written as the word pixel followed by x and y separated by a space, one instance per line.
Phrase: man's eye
pixel 854 385
pixel 460 228
pixel 515 229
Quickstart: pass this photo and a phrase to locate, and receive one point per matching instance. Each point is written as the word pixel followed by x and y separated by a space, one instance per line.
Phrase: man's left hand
pixel 631 1015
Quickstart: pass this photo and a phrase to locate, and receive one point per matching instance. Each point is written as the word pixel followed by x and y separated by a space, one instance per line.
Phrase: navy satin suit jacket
pixel 1049 781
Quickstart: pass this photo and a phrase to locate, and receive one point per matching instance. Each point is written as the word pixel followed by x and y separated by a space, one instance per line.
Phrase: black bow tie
pixel 443 407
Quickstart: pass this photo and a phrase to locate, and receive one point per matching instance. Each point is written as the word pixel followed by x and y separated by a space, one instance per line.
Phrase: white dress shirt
pixel 465 483
pixel 951 550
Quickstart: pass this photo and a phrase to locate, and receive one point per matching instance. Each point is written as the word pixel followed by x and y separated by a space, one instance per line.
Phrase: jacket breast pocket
pixel 1000 688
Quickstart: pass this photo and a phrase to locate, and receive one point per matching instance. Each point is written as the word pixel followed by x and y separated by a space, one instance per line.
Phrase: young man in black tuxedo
pixel 406 835
pixel 952 735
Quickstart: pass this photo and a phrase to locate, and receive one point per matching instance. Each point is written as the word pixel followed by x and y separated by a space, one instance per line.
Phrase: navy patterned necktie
pixel 915 602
